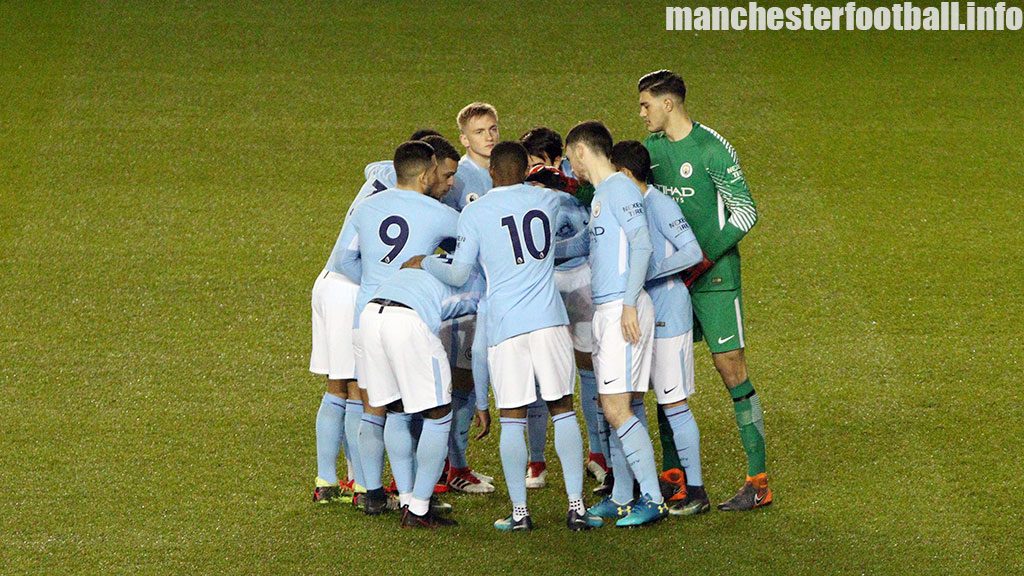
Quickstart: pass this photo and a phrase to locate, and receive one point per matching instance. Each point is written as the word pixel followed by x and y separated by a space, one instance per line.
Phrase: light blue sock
pixel 353 417
pixel 687 438
pixel 636 446
pixel 430 455
pixel 588 403
pixel 463 405
pixel 604 433
pixel 569 446
pixel 513 458
pixel 401 454
pixel 537 428
pixel 371 449
pixel 622 487
pixel 639 410
pixel 330 435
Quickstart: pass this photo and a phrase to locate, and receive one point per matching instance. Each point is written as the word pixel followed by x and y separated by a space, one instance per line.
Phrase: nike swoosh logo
pixel 671 389
pixel 607 382
pixel 758 500
pixel 653 166
pixel 724 340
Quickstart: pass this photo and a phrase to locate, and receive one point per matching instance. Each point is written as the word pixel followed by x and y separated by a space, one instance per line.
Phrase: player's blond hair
pixel 472 111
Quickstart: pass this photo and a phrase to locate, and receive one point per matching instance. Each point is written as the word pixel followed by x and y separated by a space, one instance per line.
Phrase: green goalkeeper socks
pixel 750 421
pixel 669 455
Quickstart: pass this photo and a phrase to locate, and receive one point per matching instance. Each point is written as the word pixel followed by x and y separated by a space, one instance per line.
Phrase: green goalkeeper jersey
pixel 702 174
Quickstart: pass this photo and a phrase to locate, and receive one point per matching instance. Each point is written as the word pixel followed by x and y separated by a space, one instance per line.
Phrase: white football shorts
pixel 574 286
pixel 620 366
pixel 404 360
pixel 672 368
pixel 539 360
pixel 334 303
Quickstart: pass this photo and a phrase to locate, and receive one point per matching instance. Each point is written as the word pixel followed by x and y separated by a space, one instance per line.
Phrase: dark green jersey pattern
pixel 702 173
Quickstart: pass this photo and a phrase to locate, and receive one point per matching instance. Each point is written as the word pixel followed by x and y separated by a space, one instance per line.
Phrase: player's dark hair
pixel 412 159
pixel 663 82
pixel 632 155
pixel 542 141
pixel 423 133
pixel 509 161
pixel 593 134
pixel 442 147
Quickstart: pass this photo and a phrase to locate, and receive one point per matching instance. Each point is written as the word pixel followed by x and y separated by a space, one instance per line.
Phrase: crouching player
pixel 623 326
pixel 407 370
pixel 510 233
pixel 675 249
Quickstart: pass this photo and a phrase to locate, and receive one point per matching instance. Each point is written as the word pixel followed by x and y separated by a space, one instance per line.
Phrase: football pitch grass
pixel 172 179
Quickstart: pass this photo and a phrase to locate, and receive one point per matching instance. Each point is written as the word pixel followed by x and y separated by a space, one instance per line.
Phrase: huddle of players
pixel 531 261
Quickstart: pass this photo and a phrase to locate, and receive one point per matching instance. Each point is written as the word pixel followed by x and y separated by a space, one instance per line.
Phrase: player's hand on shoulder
pixel 414 262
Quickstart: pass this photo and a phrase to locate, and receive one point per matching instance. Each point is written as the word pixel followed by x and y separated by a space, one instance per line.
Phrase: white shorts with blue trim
pixel 574 286
pixel 402 360
pixel 618 365
pixel 522 365
pixel 334 303
pixel 672 368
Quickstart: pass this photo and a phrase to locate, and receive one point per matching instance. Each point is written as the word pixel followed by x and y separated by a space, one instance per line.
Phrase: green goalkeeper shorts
pixel 718 319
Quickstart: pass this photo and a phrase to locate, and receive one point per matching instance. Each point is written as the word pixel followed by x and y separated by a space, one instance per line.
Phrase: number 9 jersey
pixel 387 229
pixel 512 232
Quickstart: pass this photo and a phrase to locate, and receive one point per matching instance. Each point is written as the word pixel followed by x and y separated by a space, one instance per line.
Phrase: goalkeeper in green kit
pixel 699 169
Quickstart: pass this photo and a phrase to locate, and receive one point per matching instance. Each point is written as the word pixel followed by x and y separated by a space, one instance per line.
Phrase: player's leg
pixel 422 371
pixel 672 378
pixel 331 356
pixel 377 392
pixel 537 439
pixel 554 364
pixel 459 338
pixel 721 318
pixel 513 380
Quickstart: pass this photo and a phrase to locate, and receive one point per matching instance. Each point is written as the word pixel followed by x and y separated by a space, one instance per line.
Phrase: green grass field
pixel 172 179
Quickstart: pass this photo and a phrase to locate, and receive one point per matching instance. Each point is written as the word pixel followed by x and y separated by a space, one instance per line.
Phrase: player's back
pixel 514 226
pixel 618 207
pixel 572 221
pixel 391 227
pixel 432 299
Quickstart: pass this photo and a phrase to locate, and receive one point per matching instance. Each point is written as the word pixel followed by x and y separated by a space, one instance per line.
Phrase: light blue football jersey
pixel 432 299
pixel 670 233
pixel 572 223
pixel 510 231
pixel 379 177
pixel 388 228
pixel 471 182
pixel 616 211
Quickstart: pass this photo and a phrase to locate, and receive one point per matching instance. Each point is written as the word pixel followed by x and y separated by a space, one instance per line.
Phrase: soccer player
pixel 333 302
pixel 623 325
pixel 572 277
pixel 385 229
pixel 510 231
pixel 407 370
pixel 675 249
pixel 478 132
pixel 699 169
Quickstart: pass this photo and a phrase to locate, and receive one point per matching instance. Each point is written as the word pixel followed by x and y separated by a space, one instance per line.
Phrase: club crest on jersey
pixel 686 170
pixel 596 209
pixel 472 197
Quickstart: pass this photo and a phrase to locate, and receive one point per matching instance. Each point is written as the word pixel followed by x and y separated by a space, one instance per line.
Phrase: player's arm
pixel 481 373
pixel 350 262
pixel 630 215
pixel 724 169
pixel 672 225
pixel 462 263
